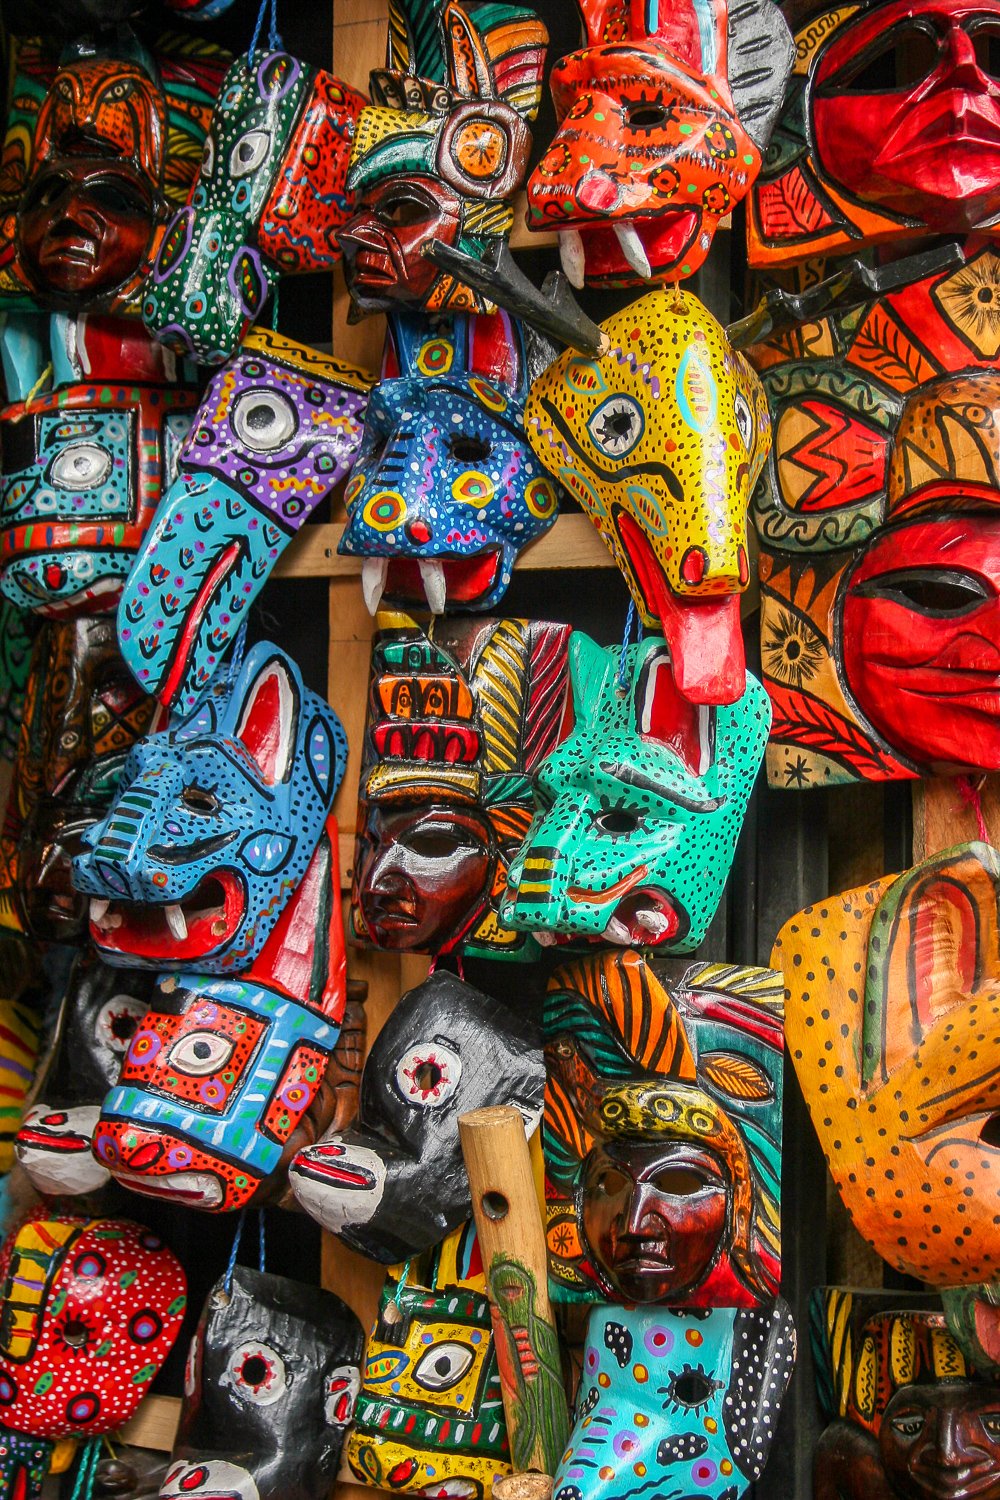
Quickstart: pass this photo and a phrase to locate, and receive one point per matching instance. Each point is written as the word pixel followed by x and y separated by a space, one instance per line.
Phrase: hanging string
pixel 262 1247
pixel 622 673
pixel 84 1486
pixel 969 791
pixel 275 303
pixel 274 41
pixel 227 1280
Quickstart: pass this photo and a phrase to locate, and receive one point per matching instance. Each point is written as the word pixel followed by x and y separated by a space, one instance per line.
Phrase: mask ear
pixel 762 1362
pixel 408 336
pixel 268 718
pixel 493 348
pixel 469 71
pixel 761 54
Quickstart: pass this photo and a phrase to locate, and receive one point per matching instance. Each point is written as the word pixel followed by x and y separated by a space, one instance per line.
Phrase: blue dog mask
pixel 215 825
pixel 446 490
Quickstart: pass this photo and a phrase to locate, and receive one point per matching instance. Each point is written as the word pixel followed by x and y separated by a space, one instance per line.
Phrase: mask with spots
pixel 663 1131
pixel 269 1388
pixel 663 118
pixel 661 440
pixel 445 490
pixel 638 810
pixel 395 1183
pixel 685 1402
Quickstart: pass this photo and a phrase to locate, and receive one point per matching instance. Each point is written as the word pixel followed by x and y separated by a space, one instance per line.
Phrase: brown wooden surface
pixel 942 816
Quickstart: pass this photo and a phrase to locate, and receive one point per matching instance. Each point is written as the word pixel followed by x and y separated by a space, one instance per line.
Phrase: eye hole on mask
pixel 428 1074
pixel 986 42
pixel 257 1374
pixel 117 1021
pixel 616 426
pixel 938 593
pixel 249 153
pixel 443 1366
pixel 612 1183
pixel 398 210
pixel 200 1053
pixel 469 450
pixel 691 1388
pixel 991 1423
pixel 208 159
pixel 744 419
pixel 264 420
pixel 616 822
pixel 197 800
pixel 645 114
pixel 82 466
pixel 909 1424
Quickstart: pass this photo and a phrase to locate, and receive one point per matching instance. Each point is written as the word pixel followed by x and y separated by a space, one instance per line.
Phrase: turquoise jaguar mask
pixel 639 809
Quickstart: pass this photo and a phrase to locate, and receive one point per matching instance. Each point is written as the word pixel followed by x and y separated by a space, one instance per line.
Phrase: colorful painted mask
pixel 274 435
pixel 215 824
pixel 91 1310
pixel 662 440
pixel 908 1419
pixel 225 1079
pixel 99 1015
pixel 973 1317
pixel 928 943
pixel 445 489
pixel 429 1417
pixel 269 1390
pixel 878 521
pixel 639 809
pixel 663 1132
pixel 457 726
pixel 662 121
pixel 271 192
pixel 890 130
pixel 95 150
pixel 82 715
pixel 19 1036
pixel 16 635
pixel 441 150
pixel 395 1183
pixel 683 1402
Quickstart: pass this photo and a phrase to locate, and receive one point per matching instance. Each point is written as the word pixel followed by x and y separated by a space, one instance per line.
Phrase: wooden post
pixel 512 1243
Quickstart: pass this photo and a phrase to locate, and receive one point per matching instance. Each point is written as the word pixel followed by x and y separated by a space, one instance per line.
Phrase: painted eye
pixel 910 1425
pixel 443 1366
pixel 264 420
pixel 250 152
pixel 744 419
pixel 342 1387
pixel 200 1053
pixel 82 466
pixel 991 1423
pixel 428 1074
pixel 117 1020
pixel 617 426
pixel 208 159
pixel 257 1373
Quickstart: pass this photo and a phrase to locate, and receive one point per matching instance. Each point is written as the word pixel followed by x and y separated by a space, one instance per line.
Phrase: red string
pixel 969 792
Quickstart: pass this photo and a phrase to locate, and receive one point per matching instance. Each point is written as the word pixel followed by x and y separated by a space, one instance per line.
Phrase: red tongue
pixel 706 646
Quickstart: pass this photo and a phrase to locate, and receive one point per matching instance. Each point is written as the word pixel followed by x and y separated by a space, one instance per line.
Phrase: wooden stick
pixel 512 1243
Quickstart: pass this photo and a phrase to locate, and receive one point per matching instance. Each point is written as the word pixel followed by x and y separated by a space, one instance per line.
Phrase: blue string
pixel 227 1280
pixel 262 1248
pixel 274 41
pixel 84 1486
pixel 629 618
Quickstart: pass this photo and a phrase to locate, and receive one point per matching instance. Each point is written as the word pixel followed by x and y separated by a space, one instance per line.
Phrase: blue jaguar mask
pixel 215 824
pixel 446 490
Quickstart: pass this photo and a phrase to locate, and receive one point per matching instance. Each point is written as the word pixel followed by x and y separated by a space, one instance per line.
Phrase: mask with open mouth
pixel 879 523
pixel 269 1388
pixel 271 191
pixel 441 150
pixel 892 1097
pixel 663 1164
pixel 91 1310
pixel 445 489
pixel 456 726
pixel 908 1416
pixel 395 1183
pixel 638 811
pixel 690 1398
pixel 215 824
pixel 274 435
pixel 662 440
pixel 663 118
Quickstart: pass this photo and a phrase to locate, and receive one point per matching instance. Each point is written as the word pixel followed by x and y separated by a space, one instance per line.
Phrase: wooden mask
pixel 684 1403
pixel 20 1026
pixel 973 1317
pixel 878 523
pixel 274 435
pixel 215 824
pixel 394 1184
pixel 890 130
pixel 663 119
pixel 661 440
pixel 893 1065
pixel 457 726
pixel 441 150
pixel 445 489
pixel 269 1388
pixel 271 191
pixel 663 1131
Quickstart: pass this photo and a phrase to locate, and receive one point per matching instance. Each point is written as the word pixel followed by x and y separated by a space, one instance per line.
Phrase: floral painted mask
pixel 662 122
pixel 274 435
pixel 445 489
pixel 663 1131
pixel 269 1389
pixel 440 151
pixel 215 824
pixel 270 194
pixel 685 1402
pixel 456 727
pixel 395 1183
pixel 639 809
pixel 661 440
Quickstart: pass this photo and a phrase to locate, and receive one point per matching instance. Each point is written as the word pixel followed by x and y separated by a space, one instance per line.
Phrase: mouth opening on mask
pixel 183 930
pixel 431 582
